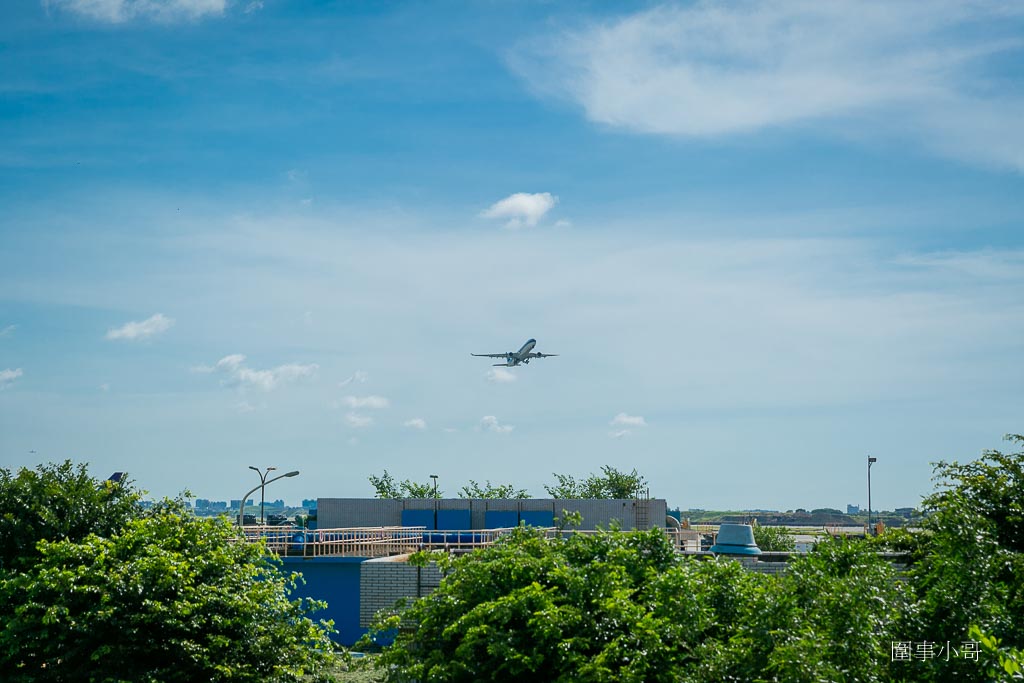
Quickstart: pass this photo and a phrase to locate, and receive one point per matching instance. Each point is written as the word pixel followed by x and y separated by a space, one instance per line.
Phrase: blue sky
pixel 767 239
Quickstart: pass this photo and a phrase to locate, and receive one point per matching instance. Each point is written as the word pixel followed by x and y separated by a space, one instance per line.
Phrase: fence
pixel 388 541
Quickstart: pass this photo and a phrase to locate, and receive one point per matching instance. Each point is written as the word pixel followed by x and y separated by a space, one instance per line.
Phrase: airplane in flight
pixel 514 358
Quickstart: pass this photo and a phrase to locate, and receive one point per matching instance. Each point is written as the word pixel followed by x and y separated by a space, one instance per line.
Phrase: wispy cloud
pixel 873 67
pixel 624 420
pixel 143 329
pixel 7 331
pixel 629 422
pixel 375 402
pixel 8 376
pixel 164 11
pixel 490 423
pixel 357 421
pixel 415 423
pixel 358 376
pixel 521 209
pixel 500 376
pixel 237 374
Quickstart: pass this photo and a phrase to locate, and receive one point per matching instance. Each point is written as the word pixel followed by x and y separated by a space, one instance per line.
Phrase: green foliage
pixel 490 491
pixel 774 538
pixel 611 483
pixel 602 607
pixel 57 502
pixel 111 592
pixel 832 616
pixel 1004 664
pixel 969 568
pixel 387 487
pixel 618 606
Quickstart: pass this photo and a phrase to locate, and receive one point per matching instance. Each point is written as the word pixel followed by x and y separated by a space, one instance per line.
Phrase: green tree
pixel 170 597
pixel 774 538
pixel 969 560
pixel 831 617
pixel 491 491
pixel 611 606
pixel 611 483
pixel 387 487
pixel 57 502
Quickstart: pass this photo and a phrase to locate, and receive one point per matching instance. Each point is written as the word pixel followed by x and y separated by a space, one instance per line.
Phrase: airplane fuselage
pixel 522 355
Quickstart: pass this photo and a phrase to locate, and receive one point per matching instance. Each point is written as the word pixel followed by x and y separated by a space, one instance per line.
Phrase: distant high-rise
pixel 852 509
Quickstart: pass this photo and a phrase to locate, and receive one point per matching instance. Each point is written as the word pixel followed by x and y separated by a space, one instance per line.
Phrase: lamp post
pixel 871 461
pixel 263 483
pixel 434 477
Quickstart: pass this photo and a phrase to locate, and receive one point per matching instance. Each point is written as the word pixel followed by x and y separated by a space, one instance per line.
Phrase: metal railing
pixel 388 541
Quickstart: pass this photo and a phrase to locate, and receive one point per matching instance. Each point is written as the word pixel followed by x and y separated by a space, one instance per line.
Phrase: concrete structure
pixel 465 514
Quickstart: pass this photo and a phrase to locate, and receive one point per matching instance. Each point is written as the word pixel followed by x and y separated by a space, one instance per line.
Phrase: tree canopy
pixel 611 483
pixel 156 595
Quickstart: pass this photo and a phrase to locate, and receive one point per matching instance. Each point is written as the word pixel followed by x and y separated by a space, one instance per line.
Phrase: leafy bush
pixel 157 596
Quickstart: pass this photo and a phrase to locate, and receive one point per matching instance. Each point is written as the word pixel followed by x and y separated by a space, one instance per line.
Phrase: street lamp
pixel 263 485
pixel 241 504
pixel 871 461
pixel 434 477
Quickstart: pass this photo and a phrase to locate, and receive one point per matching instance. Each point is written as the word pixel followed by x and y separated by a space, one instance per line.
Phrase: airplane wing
pixel 540 355
pixel 490 355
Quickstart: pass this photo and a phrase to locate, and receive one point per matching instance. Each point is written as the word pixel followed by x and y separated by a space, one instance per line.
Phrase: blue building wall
pixel 334 580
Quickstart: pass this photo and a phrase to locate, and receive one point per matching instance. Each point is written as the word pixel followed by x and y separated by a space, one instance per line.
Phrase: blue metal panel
pixel 543 518
pixel 453 519
pixel 501 519
pixel 336 581
pixel 424 518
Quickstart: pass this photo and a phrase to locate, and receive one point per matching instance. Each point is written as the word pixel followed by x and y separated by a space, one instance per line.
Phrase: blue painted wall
pixel 336 581
pixel 453 519
pixel 544 518
pixel 501 519
pixel 424 518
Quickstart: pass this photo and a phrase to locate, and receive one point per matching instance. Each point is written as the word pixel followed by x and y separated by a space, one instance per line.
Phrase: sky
pixel 766 239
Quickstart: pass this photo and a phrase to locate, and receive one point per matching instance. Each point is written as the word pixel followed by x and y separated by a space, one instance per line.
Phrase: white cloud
pixel 490 423
pixel 357 421
pixel 870 67
pixel 121 11
pixel 245 407
pixel 500 376
pixel 8 331
pixel 624 420
pixel 237 374
pixel 620 434
pixel 143 329
pixel 375 402
pixel 8 376
pixel 254 6
pixel 105 387
pixel 521 208
pixel 358 376
pixel 415 423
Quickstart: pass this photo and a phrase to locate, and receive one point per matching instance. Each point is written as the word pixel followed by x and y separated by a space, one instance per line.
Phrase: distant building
pixel 309 503
pixel 235 503
pixel 852 509
pixel 904 512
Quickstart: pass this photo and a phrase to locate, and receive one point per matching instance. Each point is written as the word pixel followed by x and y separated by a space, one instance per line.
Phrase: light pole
pixel 871 461
pixel 434 477
pixel 241 505
pixel 263 485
